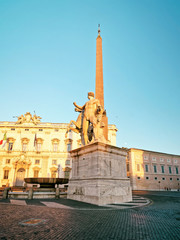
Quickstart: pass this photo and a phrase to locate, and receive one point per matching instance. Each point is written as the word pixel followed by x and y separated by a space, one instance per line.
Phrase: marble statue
pixel 89 122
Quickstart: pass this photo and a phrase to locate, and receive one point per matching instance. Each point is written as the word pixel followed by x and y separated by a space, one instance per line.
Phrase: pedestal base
pixel 99 175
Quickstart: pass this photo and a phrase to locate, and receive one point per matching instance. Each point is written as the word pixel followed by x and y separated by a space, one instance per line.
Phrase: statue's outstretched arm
pixel 78 110
pixel 81 108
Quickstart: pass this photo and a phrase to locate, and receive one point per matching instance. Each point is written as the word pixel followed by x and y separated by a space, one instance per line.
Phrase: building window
pixel 6 174
pixel 36 173
pixel 138 178
pixel 25 142
pixel 38 143
pixel 66 174
pixel 177 170
pixel 8 161
pixel 38 147
pixel 10 146
pixel 147 178
pixel 175 161
pixel 24 147
pixel 67 162
pixel 168 160
pixel 12 129
pixel 56 130
pixel 162 169
pixel 53 174
pixel 69 147
pixel 26 129
pixel 145 157
pixel 177 179
pixel 146 168
pixel 155 178
pixel 163 178
pixel 37 161
pixel 54 162
pixel 170 171
pixel 55 147
pixel 154 159
pixel 155 169
pixel 171 178
pixel 40 129
pixel 161 160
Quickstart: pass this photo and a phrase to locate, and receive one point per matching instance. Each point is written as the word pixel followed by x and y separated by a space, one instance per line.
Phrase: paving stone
pixel 55 205
pixel 18 202
pixel 159 220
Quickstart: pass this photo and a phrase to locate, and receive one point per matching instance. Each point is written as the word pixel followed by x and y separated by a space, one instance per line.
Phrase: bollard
pixel 5 192
pixel 30 193
pixel 57 193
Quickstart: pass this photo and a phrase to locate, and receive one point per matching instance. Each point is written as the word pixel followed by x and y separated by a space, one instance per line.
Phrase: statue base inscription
pixel 99 175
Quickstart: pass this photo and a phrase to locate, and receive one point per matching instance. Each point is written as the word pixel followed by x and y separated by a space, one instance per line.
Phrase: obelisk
pixel 99 92
pixel 99 173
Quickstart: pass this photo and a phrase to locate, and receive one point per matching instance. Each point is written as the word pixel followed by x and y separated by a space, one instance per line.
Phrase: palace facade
pixel 150 170
pixel 38 149
pixel 32 148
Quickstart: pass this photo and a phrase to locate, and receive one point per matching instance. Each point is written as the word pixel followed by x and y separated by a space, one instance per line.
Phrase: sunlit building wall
pixel 37 149
pixel 150 170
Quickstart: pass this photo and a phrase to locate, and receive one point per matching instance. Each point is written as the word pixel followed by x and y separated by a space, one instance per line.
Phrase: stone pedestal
pixel 99 175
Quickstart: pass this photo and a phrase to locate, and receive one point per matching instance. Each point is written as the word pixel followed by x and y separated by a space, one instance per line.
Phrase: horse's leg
pixel 74 130
pixel 77 130
pixel 75 123
pixel 68 128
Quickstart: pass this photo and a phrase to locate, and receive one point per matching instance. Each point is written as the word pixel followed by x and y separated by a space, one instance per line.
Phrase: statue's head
pixel 90 94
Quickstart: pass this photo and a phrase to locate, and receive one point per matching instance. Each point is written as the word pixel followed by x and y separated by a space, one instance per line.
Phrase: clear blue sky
pixel 47 61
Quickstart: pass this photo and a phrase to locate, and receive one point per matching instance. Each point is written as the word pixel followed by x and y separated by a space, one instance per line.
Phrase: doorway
pixel 20 177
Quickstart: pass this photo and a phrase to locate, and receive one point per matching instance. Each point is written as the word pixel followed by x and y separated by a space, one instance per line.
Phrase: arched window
pixel 10 144
pixel 68 143
pixel 67 171
pixel 38 144
pixel 55 145
pixel 25 142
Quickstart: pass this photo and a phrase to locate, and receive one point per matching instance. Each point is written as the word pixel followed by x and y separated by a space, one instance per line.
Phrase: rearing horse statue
pixel 77 123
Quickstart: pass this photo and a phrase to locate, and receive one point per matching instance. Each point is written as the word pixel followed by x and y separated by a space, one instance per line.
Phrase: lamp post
pixel 59 169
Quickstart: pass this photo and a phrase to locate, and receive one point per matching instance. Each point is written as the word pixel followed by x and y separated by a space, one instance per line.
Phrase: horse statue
pixel 77 123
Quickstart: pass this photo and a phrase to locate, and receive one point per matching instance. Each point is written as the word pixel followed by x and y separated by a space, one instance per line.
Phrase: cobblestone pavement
pixel 36 220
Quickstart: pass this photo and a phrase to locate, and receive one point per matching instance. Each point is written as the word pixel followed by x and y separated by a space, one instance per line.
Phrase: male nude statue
pixel 91 110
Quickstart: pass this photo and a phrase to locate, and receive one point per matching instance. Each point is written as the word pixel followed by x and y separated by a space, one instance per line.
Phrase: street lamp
pixel 59 169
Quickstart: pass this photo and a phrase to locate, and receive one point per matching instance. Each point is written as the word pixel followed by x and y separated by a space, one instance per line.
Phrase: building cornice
pixel 149 151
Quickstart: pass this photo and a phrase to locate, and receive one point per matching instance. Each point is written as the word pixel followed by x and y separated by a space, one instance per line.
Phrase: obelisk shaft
pixel 99 93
